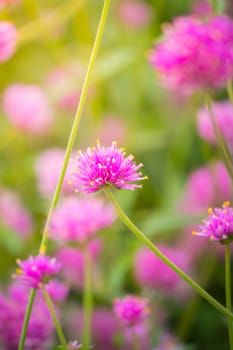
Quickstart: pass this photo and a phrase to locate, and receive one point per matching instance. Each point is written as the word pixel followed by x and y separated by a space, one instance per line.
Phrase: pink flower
pixel 8 38
pixel 218 226
pixel 134 13
pixel 57 290
pixel 112 128
pixel 27 108
pixel 195 54
pixel 37 270
pixel 151 272
pixel 131 310
pixel 48 167
pixel 201 8
pixel 79 219
pixel 223 114
pixel 13 214
pixel 103 166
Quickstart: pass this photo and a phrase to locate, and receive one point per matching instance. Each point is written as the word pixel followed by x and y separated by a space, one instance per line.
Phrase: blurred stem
pixel 87 299
pixel 223 147
pixel 54 318
pixel 26 319
pixel 76 122
pixel 139 234
pixel 214 4
pixel 228 290
pixel 136 343
pixel 230 90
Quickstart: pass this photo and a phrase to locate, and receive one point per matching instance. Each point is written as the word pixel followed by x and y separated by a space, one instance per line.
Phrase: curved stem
pixel 228 290
pixel 230 90
pixel 77 119
pixel 54 318
pixel 26 319
pixel 87 299
pixel 167 261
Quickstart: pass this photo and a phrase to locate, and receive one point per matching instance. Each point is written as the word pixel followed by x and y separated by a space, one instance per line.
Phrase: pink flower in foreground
pixel 102 166
pixel 131 310
pixel 134 13
pixel 218 226
pixel 13 214
pixel 223 114
pixel 79 219
pixel 37 270
pixel 195 53
pixel 27 108
pixel 8 38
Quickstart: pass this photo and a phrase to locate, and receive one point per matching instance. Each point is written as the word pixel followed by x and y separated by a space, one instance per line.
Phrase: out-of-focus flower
pixel 13 306
pixel 13 214
pixel 112 128
pixel 201 8
pixel 37 270
pixel 79 219
pixel 103 166
pixel 47 167
pixel 74 345
pixel 4 3
pixel 223 114
pixel 27 108
pixel 57 290
pixel 195 54
pixel 131 310
pixel 218 226
pixel 206 186
pixel 134 13
pixel 151 272
pixel 8 39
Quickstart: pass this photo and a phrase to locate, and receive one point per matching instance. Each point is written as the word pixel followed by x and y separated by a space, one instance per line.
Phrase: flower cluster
pixel 219 224
pixel 195 54
pixel 101 166
pixel 131 310
pixel 8 39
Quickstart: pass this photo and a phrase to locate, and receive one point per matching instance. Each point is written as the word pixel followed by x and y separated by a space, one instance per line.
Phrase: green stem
pixel 87 299
pixel 136 343
pixel 214 4
pixel 54 318
pixel 26 319
pixel 228 290
pixel 77 119
pixel 157 252
pixel 230 90
pixel 223 147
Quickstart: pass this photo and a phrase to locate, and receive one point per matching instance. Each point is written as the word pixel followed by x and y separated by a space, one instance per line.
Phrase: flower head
pixel 195 53
pixel 131 310
pixel 100 166
pixel 8 38
pixel 219 224
pixel 134 13
pixel 37 270
pixel 74 345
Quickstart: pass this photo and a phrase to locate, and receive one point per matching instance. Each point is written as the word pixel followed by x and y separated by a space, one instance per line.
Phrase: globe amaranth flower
pixel 195 53
pixel 79 219
pixel 37 270
pixel 134 13
pixel 8 39
pixel 101 166
pixel 131 309
pixel 223 114
pixel 219 224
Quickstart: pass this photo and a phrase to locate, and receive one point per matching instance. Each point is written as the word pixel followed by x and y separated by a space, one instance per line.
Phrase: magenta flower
pixel 74 345
pixel 57 290
pixel 27 108
pixel 37 270
pixel 201 8
pixel 223 114
pixel 8 38
pixel 79 219
pixel 219 224
pixel 102 166
pixel 131 310
pixel 195 53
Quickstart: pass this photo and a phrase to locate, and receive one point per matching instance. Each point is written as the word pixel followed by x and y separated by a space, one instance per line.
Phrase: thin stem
pixel 157 252
pixel 228 290
pixel 54 318
pixel 26 319
pixel 223 147
pixel 230 90
pixel 77 119
pixel 87 299
pixel 214 4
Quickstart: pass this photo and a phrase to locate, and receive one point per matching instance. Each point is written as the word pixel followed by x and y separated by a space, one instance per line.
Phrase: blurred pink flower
pixel 134 13
pixel 201 8
pixel 79 219
pixel 8 39
pixel 47 167
pixel 57 290
pixel 131 310
pixel 195 54
pixel 112 128
pixel 27 108
pixel 223 114
pixel 4 3
pixel 13 214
